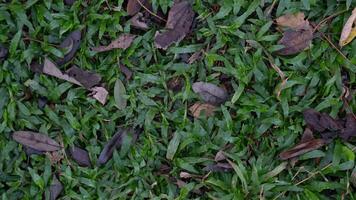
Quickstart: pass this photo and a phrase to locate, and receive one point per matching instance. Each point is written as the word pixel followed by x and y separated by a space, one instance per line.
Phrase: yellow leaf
pixel 347 33
pixel 350 37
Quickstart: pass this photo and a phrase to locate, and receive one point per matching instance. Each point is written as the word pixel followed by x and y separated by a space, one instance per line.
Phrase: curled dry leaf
pixel 348 32
pixel 198 108
pixel 81 156
pixel 139 21
pixel 100 94
pixel 85 78
pixel 210 93
pixel 72 41
pixel 37 141
pixel 123 42
pixel 55 189
pixel 179 23
pixel 119 95
pixel 293 21
pixel 3 52
pixel 295 41
pixel 302 148
pixel 133 6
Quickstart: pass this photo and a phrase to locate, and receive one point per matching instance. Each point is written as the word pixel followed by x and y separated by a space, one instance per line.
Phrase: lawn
pixel 192 99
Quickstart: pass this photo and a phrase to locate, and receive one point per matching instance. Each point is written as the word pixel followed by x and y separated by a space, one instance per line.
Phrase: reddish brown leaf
pixel 295 41
pixel 123 42
pixel 37 141
pixel 69 2
pixel 133 6
pixel 198 108
pixel 302 148
pixel 175 83
pixel 329 123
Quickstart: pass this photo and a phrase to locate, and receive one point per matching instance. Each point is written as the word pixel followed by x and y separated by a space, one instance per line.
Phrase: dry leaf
pixel 139 21
pixel 123 42
pixel 180 20
pixel 81 156
pixel 30 151
pixel 295 41
pixel 175 84
pixel 293 21
pixel 302 148
pixel 69 2
pixel 73 41
pixel 220 156
pixel 100 94
pixel 185 175
pixel 320 121
pixel 348 31
pixel 134 7
pixel 126 71
pixel 55 189
pixel 36 141
pixel 196 56
pixel 350 128
pixel 3 52
pixel 218 167
pixel 51 69
pixel 210 93
pixel 85 78
pixel 198 108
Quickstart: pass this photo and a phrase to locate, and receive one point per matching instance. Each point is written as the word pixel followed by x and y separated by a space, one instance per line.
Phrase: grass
pixel 256 124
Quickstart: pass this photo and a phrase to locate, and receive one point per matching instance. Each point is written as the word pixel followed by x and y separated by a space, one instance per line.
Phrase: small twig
pixel 313 174
pixel 327 19
pixel 272 6
pixel 149 11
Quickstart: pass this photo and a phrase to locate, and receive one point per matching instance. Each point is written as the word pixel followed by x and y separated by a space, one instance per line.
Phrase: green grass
pixel 254 122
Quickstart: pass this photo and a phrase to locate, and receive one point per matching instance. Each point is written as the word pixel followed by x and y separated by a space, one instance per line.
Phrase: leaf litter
pixel 133 6
pixel 124 41
pixel 198 109
pixel 55 188
pixel 210 93
pixel 36 141
pixel 72 41
pixel 81 156
pixel 348 32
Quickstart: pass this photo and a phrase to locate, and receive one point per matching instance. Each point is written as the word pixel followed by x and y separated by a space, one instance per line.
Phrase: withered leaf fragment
pixel 218 167
pixel 55 189
pixel 139 21
pixel 30 151
pixel 198 108
pixel 210 93
pixel 37 141
pixel 293 21
pixel 133 6
pixel 73 40
pixel 3 52
pixel 86 78
pixel 126 71
pixel 350 128
pixel 320 121
pixel 100 94
pixel 123 42
pixel 295 41
pixel 81 156
pixel 51 69
pixel 302 148
pixel 179 23
pixel 69 2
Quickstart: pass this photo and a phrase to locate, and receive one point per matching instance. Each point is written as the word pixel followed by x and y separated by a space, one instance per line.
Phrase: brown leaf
pixel 51 69
pixel 220 156
pixel 293 21
pixel 126 71
pixel 329 122
pixel 134 7
pixel 69 2
pixel 302 148
pixel 180 20
pixel 85 78
pixel 312 118
pixel 36 141
pixel 175 84
pixel 350 128
pixel 295 41
pixel 100 94
pixel 307 135
pixel 123 42
pixel 196 56
pixel 198 108
pixel 73 40
pixel 139 21
pixel 30 151
pixel 347 29
pixel 185 175
pixel 218 167
pixel 81 156
pixel 55 189
pixel 210 93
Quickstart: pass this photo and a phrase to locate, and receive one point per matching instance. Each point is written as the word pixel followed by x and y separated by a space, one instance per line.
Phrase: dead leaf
pixel 198 108
pixel 350 128
pixel 134 7
pixel 73 40
pixel 30 151
pixel 218 167
pixel 55 189
pixel 293 21
pixel 210 93
pixel 126 71
pixel 139 21
pixel 51 69
pixel 302 148
pixel 348 31
pixel 100 94
pixel 175 84
pixel 307 136
pixel 329 123
pixel 3 52
pixel 123 42
pixel 295 41
pixel 69 2
pixel 179 23
pixel 85 78
pixel 196 56
pixel 36 141
pixel 320 121
pixel 81 156
pixel 185 175
pixel 220 156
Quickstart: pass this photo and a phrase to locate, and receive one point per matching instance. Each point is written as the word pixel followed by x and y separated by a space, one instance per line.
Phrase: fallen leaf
pixel 123 42
pixel 85 78
pixel 36 141
pixel 350 128
pixel 307 135
pixel 196 56
pixel 73 40
pixel 220 156
pixel 218 167
pixel 185 175
pixel 133 6
pixel 119 95
pixel 198 108
pixel 126 71
pixel 302 148
pixel 179 23
pixel 55 189
pixel 139 21
pixel 81 156
pixel 51 69
pixel 348 31
pixel 100 94
pixel 329 123
pixel 210 93
pixel 3 52
pixel 312 118
pixel 175 84
pixel 30 151
pixel 293 21
pixel 69 2
pixel 295 41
